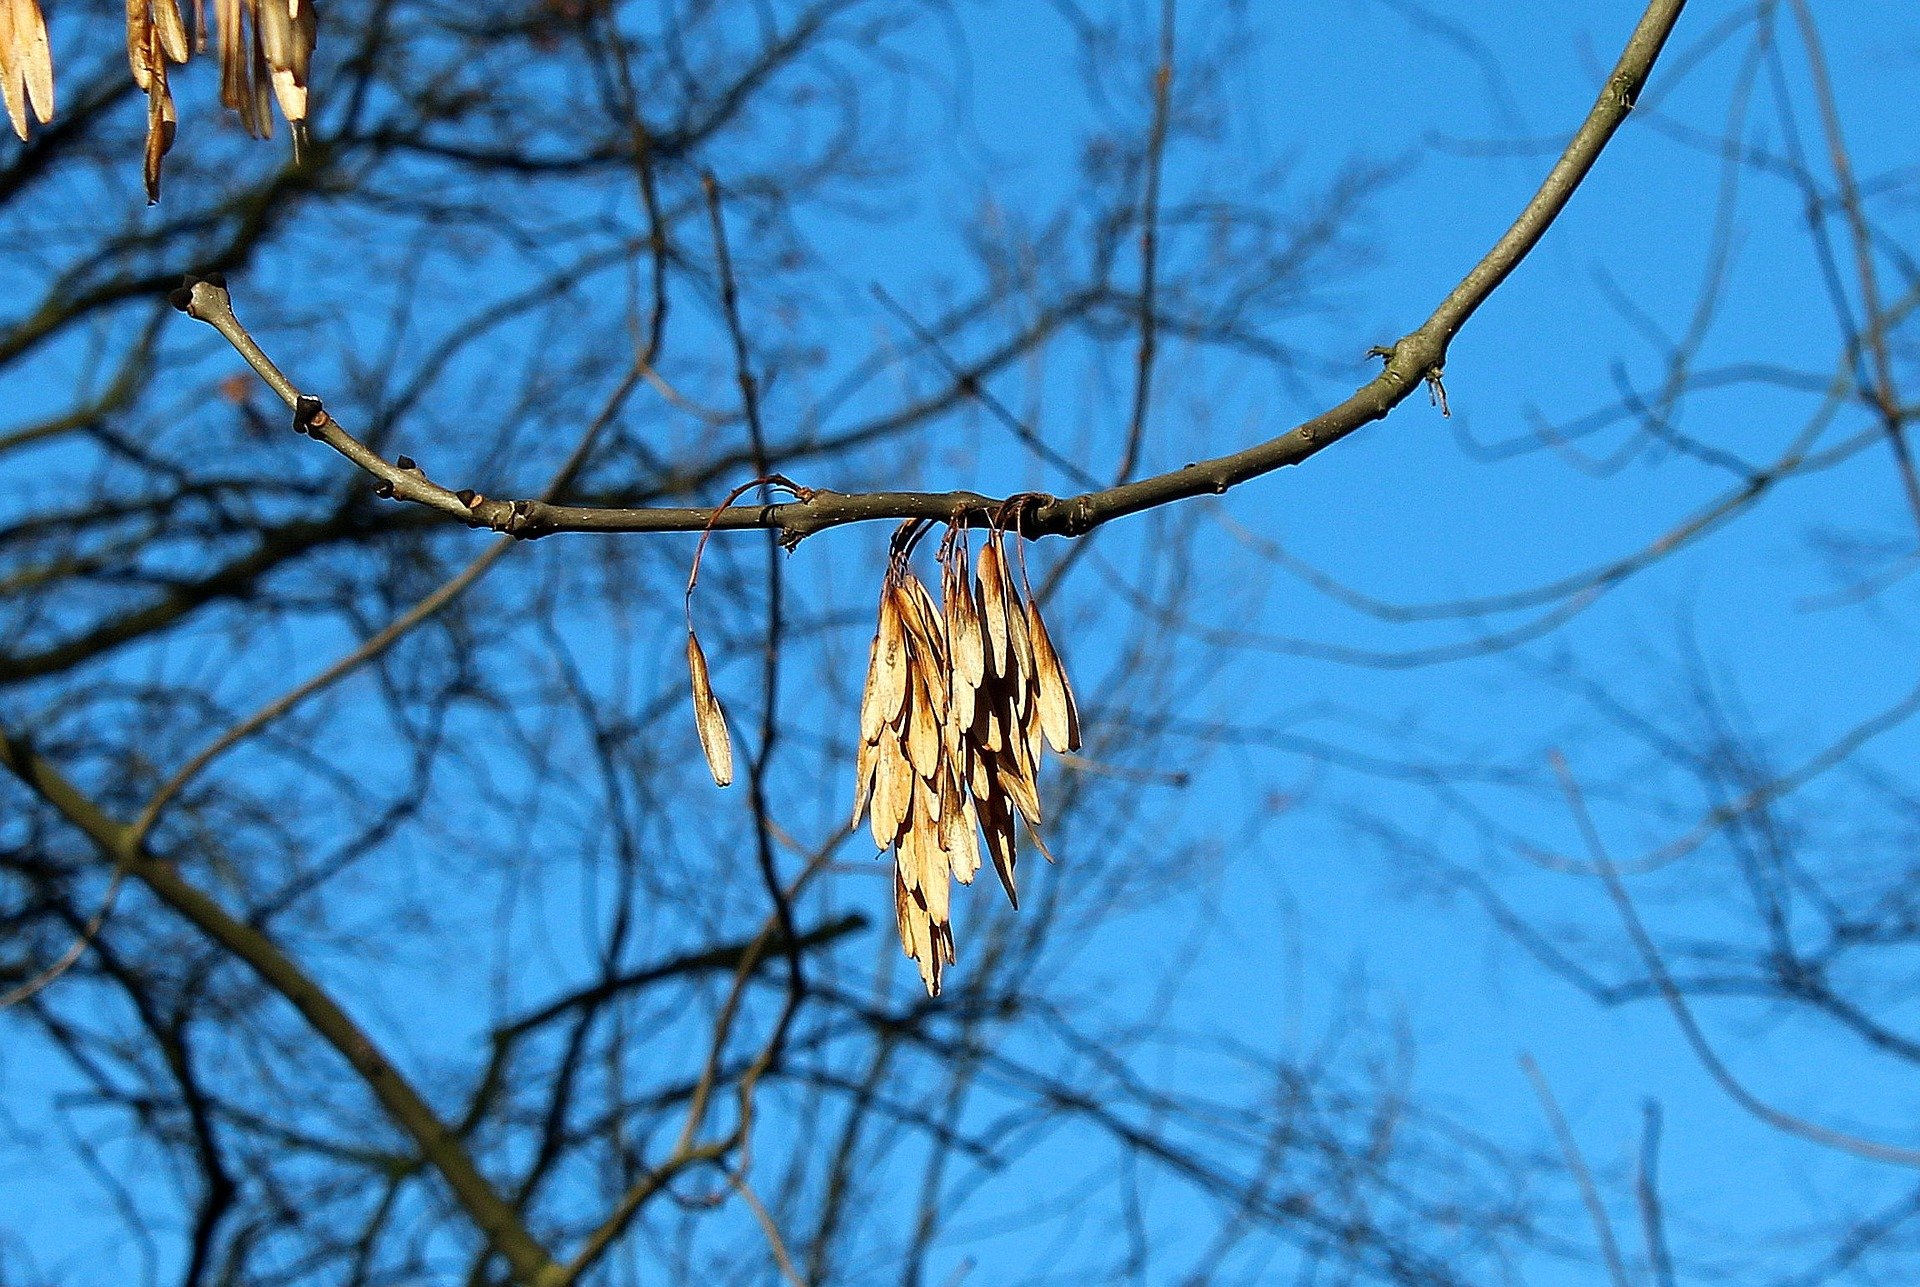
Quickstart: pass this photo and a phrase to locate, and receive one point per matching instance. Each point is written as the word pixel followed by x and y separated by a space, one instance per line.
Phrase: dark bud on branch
pixel 308 413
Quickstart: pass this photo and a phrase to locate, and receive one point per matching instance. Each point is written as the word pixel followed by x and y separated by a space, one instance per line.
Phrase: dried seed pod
pixel 880 811
pixel 992 592
pixel 913 937
pixel 161 121
pixel 872 713
pixel 923 863
pixel 996 828
pixel 953 744
pixel 891 658
pixel 236 59
pixel 927 942
pixel 923 731
pixel 892 792
pixel 957 831
pixel 1015 781
pixel 1059 713
pixel 926 636
pixel 962 708
pixel 34 56
pixel 140 43
pixel 708 717
pixel 962 612
pixel 26 64
pixel 266 51
pixel 906 857
pixel 274 21
pixel 961 697
pixel 989 721
pixel 260 83
pixel 172 31
pixel 287 31
pixel 1021 677
pixel 936 890
pixel 880 806
pixel 925 615
pixel 930 679
pixel 866 761
pixel 928 800
pixel 1030 742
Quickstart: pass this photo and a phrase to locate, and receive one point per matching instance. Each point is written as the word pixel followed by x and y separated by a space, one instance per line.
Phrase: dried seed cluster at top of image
pixel 266 47
pixel 959 697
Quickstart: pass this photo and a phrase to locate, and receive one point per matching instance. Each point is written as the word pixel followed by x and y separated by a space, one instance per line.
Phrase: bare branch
pixel 1414 361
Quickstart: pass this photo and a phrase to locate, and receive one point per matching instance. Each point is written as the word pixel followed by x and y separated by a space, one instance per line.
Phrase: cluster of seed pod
pixel 959 697
pixel 265 44
pixel 266 47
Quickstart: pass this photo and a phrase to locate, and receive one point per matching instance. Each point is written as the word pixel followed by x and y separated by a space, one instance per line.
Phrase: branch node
pixel 309 414
pixel 1437 390
pixel 1079 517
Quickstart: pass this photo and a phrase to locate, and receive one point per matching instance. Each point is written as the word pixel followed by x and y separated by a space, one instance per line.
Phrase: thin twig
pixel 1577 1167
pixel 77 949
pixel 1653 1222
pixel 1150 250
pixel 775 1243
pixel 1649 952
pixel 1881 391
pixel 395 630
pixel 977 389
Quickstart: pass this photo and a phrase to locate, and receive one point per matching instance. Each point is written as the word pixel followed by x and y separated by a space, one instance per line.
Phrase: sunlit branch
pixel 1416 360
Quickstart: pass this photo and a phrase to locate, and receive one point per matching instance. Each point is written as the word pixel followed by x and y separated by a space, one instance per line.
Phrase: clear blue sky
pixel 1303 907
pixel 1404 514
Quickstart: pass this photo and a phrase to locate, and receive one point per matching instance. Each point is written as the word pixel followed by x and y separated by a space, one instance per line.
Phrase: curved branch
pixel 1416 359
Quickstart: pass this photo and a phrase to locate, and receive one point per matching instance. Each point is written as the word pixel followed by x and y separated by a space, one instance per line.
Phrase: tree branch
pixel 1416 359
pixel 437 1144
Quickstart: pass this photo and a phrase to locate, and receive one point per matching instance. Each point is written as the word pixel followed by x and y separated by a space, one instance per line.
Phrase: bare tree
pixel 368 916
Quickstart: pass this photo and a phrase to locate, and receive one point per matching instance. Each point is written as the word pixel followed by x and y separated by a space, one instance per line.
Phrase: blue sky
pixel 1302 906
pixel 1403 513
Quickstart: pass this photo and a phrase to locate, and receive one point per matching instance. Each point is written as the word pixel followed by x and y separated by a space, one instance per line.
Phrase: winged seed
pixel 960 698
pixel 708 717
